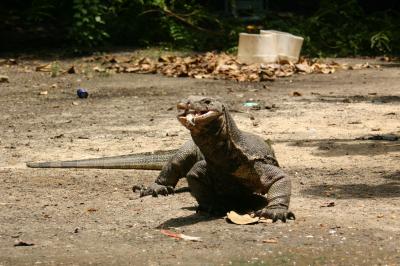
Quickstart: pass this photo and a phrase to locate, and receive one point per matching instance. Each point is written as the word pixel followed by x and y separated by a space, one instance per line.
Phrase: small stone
pixel 4 79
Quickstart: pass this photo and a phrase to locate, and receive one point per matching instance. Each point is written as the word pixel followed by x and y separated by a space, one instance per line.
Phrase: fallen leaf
pixel 98 69
pixel 241 219
pixel 304 67
pixel 270 241
pixel 71 70
pixel 328 204
pixel 44 68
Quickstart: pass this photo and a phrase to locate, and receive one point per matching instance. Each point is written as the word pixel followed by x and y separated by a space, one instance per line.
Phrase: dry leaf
pixel 304 67
pixel 328 204
pixel 241 219
pixel 44 68
pixel 71 70
pixel 131 69
pixel 98 69
pixel 270 241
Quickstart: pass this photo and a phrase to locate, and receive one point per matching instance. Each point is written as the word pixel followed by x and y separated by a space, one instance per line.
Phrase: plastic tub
pixel 288 45
pixel 257 48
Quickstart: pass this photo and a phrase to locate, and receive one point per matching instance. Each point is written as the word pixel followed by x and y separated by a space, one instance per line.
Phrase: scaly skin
pixel 225 168
pixel 145 161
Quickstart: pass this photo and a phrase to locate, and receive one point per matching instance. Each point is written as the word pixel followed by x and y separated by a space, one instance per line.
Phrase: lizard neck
pixel 217 140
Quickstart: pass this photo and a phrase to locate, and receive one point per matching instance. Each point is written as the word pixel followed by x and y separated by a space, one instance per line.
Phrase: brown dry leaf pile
pixel 218 66
pixel 209 65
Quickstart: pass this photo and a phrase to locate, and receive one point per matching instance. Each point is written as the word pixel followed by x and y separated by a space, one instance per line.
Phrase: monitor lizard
pixel 225 167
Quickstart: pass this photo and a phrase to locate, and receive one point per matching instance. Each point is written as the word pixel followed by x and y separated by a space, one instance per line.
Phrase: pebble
pixel 4 79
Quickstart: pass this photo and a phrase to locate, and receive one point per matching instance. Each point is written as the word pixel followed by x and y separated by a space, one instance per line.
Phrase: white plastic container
pixel 270 46
pixel 288 45
pixel 257 48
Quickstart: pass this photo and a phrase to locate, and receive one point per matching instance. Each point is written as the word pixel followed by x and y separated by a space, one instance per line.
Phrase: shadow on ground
pixel 186 220
pixel 377 99
pixel 343 147
pixel 393 176
pixel 390 189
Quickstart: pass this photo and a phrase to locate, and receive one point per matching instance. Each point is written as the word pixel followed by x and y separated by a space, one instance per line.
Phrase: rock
pixel 4 79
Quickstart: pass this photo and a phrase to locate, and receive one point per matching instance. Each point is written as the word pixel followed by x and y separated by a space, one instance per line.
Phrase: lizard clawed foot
pixel 276 214
pixel 154 190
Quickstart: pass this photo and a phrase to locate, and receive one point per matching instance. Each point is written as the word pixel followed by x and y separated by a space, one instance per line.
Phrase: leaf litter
pixel 209 65
pixel 218 66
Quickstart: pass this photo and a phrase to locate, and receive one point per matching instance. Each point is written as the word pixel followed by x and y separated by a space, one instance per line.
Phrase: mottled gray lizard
pixel 225 167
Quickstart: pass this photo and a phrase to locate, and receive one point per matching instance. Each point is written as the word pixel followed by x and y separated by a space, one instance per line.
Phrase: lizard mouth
pixel 192 118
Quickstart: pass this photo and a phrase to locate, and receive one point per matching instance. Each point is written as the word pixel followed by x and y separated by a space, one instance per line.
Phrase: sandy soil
pixel 80 217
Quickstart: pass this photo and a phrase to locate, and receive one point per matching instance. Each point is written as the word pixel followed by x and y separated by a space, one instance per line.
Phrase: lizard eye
pixel 207 101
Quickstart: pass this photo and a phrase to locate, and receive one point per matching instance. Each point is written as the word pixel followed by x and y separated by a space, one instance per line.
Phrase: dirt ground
pixel 82 217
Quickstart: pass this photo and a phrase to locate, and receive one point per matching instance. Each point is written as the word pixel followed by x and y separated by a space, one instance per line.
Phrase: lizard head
pixel 197 112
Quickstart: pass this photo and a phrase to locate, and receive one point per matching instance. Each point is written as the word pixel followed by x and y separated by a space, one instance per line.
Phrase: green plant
pixel 55 69
pixel 88 23
pixel 381 42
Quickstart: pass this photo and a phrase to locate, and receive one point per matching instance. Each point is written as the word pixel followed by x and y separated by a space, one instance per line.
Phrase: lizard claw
pixel 154 190
pixel 276 214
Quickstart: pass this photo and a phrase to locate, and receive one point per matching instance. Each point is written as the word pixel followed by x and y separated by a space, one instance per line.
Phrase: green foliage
pixel 88 24
pixel 55 69
pixel 329 27
pixel 341 28
pixel 381 42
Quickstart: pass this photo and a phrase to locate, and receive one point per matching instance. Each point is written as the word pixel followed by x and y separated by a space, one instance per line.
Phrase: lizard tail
pixel 144 161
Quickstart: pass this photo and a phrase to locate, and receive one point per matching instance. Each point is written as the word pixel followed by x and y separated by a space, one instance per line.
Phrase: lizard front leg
pixel 177 167
pixel 277 186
